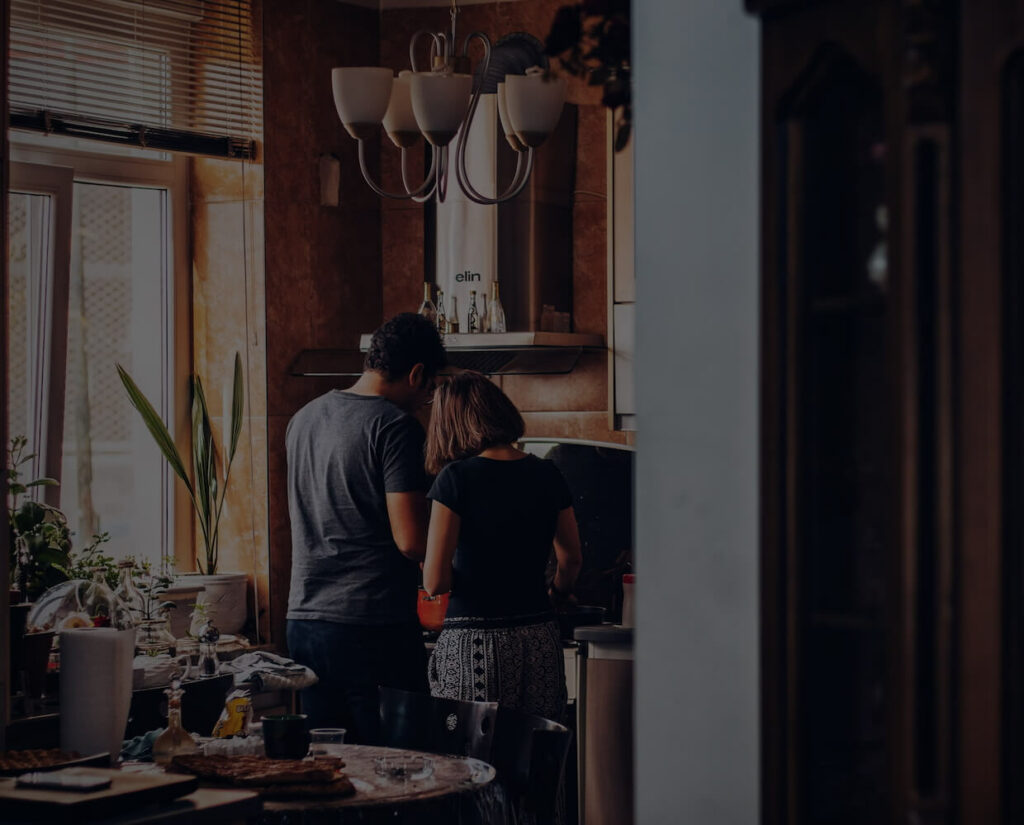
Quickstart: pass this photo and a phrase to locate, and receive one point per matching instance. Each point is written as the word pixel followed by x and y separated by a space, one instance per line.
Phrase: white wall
pixel 697 126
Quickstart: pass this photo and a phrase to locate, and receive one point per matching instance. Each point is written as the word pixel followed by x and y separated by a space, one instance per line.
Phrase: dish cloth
pixel 268 671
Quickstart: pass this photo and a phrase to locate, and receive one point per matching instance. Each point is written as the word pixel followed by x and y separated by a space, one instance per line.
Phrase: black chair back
pixel 418 721
pixel 529 755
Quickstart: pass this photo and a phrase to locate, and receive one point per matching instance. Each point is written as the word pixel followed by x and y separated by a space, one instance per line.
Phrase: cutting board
pixel 127 792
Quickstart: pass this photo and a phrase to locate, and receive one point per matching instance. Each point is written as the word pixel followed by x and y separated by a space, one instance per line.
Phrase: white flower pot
pixel 224 595
pixel 184 594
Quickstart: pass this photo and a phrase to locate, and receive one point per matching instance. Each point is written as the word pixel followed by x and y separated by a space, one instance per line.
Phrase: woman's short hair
pixel 469 415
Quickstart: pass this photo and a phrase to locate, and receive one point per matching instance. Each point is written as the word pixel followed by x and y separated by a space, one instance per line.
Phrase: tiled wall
pixel 334 272
pixel 571 406
pixel 228 317
pixel 323 264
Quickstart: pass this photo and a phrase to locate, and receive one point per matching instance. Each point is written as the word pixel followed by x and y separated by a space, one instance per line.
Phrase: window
pixel 92 262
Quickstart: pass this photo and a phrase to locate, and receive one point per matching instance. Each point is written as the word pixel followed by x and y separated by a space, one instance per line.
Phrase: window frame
pixel 163 171
pixel 57 183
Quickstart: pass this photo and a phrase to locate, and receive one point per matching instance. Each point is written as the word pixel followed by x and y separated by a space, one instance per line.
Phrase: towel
pixel 467 232
pixel 268 671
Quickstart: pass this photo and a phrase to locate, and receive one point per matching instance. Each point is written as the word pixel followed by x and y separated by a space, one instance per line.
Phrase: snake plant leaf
pixel 156 428
pixel 237 407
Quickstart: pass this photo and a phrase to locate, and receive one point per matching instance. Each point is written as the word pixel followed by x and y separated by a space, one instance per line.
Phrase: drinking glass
pixel 326 742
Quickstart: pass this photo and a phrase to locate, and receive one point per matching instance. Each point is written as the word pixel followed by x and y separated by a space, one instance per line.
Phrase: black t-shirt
pixel 508 512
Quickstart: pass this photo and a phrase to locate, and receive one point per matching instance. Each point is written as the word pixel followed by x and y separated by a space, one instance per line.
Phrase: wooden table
pixel 453 791
pixel 202 807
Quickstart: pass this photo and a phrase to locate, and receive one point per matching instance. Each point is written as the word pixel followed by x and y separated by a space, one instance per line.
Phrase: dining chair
pixel 419 721
pixel 529 754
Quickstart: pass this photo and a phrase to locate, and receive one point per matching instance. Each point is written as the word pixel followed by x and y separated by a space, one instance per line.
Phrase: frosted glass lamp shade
pixel 361 96
pixel 399 120
pixel 534 104
pixel 506 124
pixel 439 102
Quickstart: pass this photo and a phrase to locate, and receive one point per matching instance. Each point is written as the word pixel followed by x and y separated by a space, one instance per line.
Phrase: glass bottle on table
pixel 427 308
pixel 495 311
pixel 473 318
pixel 442 318
pixel 485 325
pixel 128 592
pixel 175 740
pixel 453 318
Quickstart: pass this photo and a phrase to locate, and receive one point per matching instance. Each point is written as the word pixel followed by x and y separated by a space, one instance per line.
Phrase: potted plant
pixel 224 592
pixel 40 541
pixel 153 636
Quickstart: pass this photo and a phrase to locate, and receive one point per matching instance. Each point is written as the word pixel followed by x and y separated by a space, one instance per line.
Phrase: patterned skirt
pixel 516 662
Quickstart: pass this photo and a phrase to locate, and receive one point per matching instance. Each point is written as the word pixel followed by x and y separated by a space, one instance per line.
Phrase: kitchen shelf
pixel 505 353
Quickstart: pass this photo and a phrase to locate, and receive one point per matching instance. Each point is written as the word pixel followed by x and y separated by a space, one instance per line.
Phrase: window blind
pixel 177 75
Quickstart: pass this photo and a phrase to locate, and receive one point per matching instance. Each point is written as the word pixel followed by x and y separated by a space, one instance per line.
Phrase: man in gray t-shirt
pixel 357 505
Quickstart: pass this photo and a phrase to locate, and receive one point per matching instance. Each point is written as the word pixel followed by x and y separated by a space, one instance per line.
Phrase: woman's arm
pixel 567 553
pixel 441 540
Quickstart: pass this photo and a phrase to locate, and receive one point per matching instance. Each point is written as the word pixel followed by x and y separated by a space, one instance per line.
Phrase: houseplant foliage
pixel 591 39
pixel 40 541
pixel 212 468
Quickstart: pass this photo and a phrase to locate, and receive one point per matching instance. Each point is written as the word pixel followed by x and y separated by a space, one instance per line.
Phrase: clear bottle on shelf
pixel 175 740
pixel 427 308
pixel 485 325
pixel 442 318
pixel 473 318
pixel 495 311
pixel 453 318
pixel 128 592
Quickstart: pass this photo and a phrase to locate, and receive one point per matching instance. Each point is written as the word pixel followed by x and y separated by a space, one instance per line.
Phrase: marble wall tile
pixel 591 426
pixel 280 530
pixel 583 389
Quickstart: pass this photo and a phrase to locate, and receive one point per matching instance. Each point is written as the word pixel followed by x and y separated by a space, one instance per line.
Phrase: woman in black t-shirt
pixel 496 512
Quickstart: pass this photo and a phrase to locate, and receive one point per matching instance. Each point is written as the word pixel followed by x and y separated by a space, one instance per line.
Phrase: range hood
pixel 500 353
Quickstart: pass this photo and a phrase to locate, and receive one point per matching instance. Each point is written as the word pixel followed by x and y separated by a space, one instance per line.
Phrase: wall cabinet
pixel 893 411
pixel 858 552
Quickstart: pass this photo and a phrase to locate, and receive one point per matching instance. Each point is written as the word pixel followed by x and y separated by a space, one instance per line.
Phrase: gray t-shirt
pixel 345 451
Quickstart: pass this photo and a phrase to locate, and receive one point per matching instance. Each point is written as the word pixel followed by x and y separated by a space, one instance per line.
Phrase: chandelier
pixel 439 104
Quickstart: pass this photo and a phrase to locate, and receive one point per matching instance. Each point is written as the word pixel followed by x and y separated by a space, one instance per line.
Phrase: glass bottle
pixel 209 663
pixel 427 308
pixel 473 318
pixel 442 319
pixel 453 319
pixel 128 592
pixel 495 312
pixel 175 740
pixel 485 325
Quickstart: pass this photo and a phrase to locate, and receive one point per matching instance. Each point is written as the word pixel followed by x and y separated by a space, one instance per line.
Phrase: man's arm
pixel 407 513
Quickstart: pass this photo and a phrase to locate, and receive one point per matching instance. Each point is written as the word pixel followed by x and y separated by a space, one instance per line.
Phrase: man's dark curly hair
pixel 402 342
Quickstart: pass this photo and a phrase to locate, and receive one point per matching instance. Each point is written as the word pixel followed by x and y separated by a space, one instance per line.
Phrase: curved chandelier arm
pixel 522 173
pixel 442 174
pixel 427 184
pixel 436 48
pixel 430 178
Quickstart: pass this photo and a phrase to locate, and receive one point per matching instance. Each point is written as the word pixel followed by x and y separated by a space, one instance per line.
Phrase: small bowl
pixel 403 768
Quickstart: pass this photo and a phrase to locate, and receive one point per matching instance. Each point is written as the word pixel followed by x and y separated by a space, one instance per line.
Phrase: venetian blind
pixel 179 75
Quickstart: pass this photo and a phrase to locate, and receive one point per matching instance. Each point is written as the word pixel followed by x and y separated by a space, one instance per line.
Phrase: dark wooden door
pixel 857 426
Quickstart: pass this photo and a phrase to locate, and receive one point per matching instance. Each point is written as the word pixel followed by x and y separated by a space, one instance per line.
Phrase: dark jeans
pixel 352 661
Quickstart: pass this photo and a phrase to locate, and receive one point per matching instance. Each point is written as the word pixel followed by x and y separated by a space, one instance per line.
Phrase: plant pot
pixel 184 594
pixel 225 597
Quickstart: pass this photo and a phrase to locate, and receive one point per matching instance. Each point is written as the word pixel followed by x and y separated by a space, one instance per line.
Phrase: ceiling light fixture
pixel 440 104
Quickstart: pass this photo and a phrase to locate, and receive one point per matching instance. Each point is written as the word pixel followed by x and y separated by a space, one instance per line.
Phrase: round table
pixel 456 790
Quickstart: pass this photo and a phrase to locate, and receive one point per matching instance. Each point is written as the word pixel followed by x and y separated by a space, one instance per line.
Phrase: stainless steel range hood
pixel 506 353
